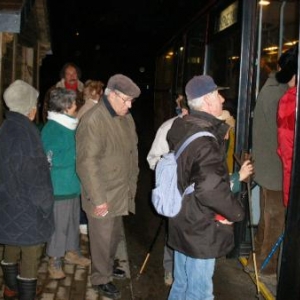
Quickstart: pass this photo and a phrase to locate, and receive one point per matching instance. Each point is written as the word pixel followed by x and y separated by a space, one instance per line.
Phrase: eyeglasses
pixel 123 99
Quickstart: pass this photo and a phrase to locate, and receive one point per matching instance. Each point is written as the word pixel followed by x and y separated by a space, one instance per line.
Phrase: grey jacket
pixel 267 165
pixel 107 160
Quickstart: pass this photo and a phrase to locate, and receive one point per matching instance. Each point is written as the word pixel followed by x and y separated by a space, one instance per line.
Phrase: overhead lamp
pixel 272 48
pixel 264 3
pixel 292 43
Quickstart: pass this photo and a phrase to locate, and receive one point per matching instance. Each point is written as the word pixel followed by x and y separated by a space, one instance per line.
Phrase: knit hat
pixel 201 85
pixel 20 97
pixel 288 63
pixel 124 85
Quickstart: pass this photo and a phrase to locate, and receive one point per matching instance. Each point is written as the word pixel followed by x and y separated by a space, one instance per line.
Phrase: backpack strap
pixel 190 139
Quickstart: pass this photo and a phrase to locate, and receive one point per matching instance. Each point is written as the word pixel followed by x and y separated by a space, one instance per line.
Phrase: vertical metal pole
pixel 247 57
pixel 1 75
pixel 281 28
pixel 246 75
pixel 258 51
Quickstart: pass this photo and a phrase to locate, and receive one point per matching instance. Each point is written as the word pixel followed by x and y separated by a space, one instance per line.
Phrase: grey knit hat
pixel 20 97
pixel 123 84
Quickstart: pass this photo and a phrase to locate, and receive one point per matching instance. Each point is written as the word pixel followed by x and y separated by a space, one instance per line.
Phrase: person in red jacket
pixel 286 118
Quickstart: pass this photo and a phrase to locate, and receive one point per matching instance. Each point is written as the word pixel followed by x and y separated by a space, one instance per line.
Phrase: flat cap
pixel 20 97
pixel 124 84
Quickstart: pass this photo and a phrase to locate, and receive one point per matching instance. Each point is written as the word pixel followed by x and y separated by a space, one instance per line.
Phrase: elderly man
pixel 107 164
pixel 195 234
pixel 69 79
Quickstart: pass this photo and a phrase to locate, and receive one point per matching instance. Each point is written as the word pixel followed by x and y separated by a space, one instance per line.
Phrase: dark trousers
pixel 105 235
pixel 270 227
pixel 28 258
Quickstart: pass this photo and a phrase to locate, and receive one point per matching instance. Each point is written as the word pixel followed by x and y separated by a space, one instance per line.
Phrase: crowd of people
pixel 82 168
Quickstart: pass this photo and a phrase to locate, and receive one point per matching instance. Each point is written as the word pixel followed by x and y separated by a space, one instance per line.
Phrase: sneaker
pixel 73 257
pixel 168 278
pixel 55 268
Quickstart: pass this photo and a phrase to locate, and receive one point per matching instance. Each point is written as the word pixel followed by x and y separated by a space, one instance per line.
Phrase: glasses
pixel 123 99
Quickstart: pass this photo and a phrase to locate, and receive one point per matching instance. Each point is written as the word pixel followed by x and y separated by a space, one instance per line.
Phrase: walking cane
pixel 248 156
pixel 150 248
pixel 252 237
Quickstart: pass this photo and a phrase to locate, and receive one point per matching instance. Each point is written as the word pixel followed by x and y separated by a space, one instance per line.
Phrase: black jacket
pixel 26 195
pixel 194 230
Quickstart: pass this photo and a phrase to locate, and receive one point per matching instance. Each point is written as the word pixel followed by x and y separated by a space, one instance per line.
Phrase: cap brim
pixel 219 88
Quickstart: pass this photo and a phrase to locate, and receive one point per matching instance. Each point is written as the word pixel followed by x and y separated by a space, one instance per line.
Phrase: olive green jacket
pixel 107 160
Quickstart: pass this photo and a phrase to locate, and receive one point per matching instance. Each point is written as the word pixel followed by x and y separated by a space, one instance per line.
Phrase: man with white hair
pixel 26 194
pixel 107 164
pixel 197 236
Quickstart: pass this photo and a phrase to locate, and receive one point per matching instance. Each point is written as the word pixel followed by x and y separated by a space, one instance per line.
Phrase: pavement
pixel 230 281
pixel 142 260
pixel 76 285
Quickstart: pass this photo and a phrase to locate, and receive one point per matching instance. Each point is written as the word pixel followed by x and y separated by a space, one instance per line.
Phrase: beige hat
pixel 123 84
pixel 228 118
pixel 21 97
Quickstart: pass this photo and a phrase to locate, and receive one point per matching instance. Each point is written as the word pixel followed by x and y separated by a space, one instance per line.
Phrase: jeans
pixel 192 278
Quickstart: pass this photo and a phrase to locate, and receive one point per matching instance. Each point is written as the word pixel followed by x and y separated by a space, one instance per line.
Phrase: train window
pixel 277 31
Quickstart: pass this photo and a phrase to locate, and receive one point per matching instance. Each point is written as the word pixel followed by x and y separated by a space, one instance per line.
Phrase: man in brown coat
pixel 107 164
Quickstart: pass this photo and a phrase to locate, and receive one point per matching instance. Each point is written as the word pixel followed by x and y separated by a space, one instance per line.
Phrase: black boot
pixel 27 288
pixel 10 273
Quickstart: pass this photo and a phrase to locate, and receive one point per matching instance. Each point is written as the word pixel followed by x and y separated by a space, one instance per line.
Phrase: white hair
pixel 107 91
pixel 196 103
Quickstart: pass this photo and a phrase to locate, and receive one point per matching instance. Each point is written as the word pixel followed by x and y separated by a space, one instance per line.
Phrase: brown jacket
pixel 107 160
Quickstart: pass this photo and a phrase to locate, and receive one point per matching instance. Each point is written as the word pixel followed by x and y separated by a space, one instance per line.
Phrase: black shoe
pixel 119 274
pixel 109 290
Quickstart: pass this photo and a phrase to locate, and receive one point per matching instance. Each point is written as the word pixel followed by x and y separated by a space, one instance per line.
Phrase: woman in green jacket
pixel 58 136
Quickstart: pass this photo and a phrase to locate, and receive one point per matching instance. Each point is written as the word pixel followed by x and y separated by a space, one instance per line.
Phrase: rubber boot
pixel 27 288
pixel 10 273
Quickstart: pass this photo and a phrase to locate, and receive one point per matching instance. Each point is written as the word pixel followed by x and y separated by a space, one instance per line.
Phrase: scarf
pixel 63 119
pixel 72 87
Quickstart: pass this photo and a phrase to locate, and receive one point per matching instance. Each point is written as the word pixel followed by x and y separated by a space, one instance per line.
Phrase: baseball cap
pixel 201 85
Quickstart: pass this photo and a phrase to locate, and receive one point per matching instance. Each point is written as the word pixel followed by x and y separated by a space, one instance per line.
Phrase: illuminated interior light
pixel 264 2
pixel 181 48
pixel 171 53
pixel 272 48
pixel 292 43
